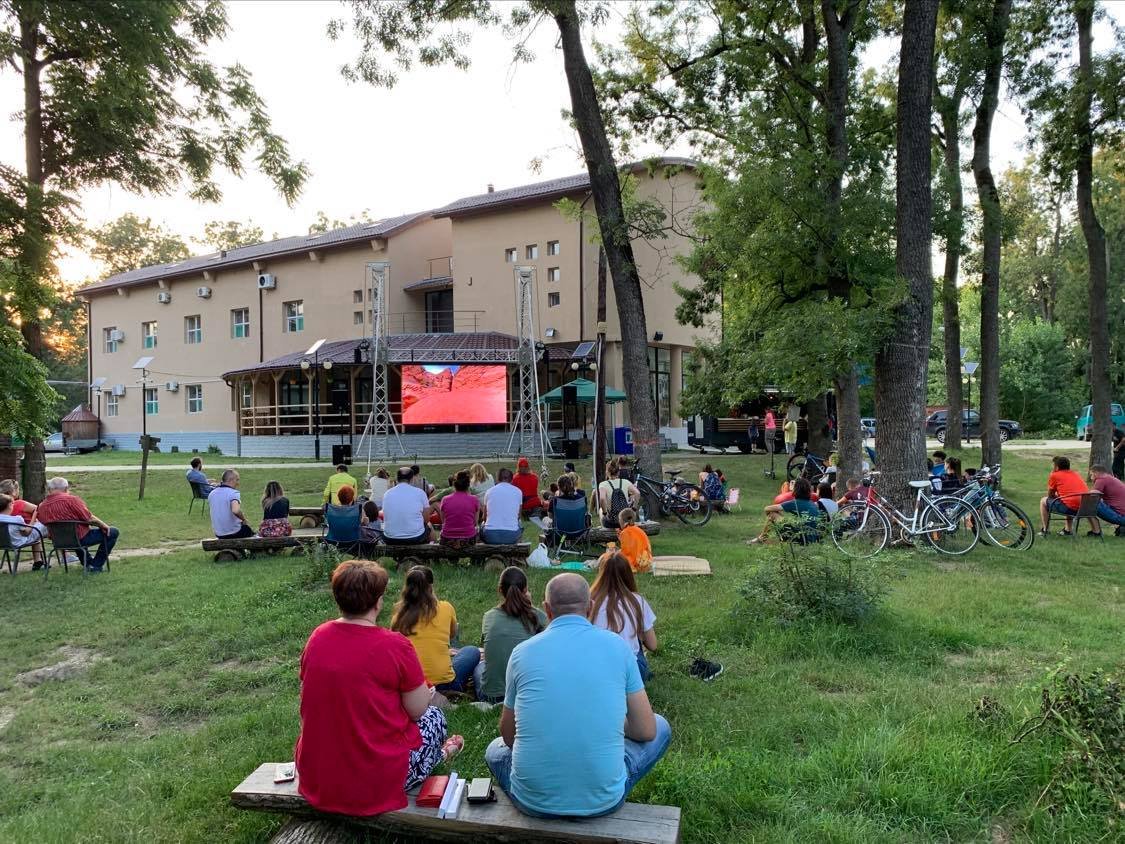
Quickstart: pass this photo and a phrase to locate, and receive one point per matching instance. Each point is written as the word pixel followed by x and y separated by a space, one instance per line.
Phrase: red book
pixel 433 789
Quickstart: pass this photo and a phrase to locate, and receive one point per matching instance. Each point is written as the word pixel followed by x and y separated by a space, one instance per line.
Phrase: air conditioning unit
pixel 172 386
pixel 203 292
pixel 117 335
pixel 266 281
pixel 118 389
pixel 163 297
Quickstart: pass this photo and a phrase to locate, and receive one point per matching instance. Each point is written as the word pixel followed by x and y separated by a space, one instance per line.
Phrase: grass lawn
pixel 116 457
pixel 814 732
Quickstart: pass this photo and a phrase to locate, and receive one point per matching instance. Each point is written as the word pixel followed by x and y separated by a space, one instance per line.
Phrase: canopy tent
pixel 587 392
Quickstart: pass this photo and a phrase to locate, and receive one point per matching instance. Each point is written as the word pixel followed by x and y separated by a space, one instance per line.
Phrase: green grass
pixel 115 457
pixel 813 733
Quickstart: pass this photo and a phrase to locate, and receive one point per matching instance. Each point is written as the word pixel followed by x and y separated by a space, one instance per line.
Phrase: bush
pixel 214 449
pixel 320 561
pixel 815 583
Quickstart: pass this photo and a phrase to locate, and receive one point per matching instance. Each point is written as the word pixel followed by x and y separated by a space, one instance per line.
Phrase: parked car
pixel 1086 419
pixel 867 425
pixel 54 442
pixel 970 426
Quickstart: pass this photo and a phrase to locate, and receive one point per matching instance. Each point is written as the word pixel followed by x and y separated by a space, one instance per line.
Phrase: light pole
pixel 315 365
pixel 969 367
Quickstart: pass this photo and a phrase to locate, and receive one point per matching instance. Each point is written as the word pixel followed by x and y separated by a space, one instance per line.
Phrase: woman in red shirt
pixel 368 731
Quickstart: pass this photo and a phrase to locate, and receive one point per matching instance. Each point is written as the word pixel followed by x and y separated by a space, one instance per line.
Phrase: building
pixel 227 331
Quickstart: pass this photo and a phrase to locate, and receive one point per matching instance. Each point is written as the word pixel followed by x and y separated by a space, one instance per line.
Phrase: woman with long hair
pixel 431 625
pixel 460 514
pixel 510 622
pixel 480 481
pixel 275 512
pixel 616 606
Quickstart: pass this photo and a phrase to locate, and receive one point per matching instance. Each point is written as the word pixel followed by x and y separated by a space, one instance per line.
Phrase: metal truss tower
pixel 380 425
pixel 529 434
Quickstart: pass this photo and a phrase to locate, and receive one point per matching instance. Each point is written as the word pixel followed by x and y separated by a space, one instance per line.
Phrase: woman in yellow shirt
pixel 431 625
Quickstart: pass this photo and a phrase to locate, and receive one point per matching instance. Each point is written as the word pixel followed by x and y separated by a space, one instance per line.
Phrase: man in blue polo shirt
pixel 577 731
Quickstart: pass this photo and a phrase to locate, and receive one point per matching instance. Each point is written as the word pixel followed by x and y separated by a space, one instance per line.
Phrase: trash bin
pixel 623 440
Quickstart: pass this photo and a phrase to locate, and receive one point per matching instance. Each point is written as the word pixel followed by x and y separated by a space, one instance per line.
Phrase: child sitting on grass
pixel 635 544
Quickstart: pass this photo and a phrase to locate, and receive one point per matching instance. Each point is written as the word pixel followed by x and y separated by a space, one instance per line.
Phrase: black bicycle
pixel 807 465
pixel 686 501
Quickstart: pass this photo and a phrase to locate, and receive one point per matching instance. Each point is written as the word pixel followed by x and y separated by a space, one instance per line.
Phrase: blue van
pixel 1086 419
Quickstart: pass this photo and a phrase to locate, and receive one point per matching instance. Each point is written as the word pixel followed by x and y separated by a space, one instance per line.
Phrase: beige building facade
pixel 245 313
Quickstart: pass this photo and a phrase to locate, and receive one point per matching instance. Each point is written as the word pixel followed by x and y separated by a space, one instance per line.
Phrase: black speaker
pixel 342 453
pixel 569 395
pixel 338 396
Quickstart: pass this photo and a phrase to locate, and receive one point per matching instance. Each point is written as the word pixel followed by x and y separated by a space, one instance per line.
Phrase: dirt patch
pixel 74 661
pixel 236 664
pixel 999 835
pixel 6 716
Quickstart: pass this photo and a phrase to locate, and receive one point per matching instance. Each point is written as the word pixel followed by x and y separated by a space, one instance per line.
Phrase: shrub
pixel 320 561
pixel 814 583
pixel 214 449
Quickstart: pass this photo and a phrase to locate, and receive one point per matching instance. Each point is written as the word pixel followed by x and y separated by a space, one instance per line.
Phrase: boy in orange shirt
pixel 634 542
pixel 1064 490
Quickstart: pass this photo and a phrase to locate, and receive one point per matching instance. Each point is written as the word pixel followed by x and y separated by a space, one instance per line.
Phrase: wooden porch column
pixel 351 400
pixel 277 403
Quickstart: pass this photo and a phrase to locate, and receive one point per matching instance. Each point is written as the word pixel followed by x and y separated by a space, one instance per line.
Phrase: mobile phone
pixel 480 790
pixel 285 772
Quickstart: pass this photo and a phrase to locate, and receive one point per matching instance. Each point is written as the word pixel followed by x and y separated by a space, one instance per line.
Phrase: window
pixel 294 316
pixel 357 297
pixel 148 334
pixel 552 300
pixel 247 394
pixel 553 247
pixel 240 323
pixel 109 340
pixel 554 274
pixel 193 330
pixel 194 398
pixel 531 251
pixel 660 375
pixel 357 317
pixel 110 404
pixel 510 255
pixel 152 401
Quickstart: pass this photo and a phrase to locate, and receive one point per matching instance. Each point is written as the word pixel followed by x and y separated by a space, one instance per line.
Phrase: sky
pixel 439 135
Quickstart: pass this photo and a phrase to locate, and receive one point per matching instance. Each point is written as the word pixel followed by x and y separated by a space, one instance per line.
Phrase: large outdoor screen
pixel 448 394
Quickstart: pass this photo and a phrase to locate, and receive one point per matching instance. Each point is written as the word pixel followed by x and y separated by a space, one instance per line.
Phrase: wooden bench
pixel 603 534
pixel 310 516
pixel 499 821
pixel 493 556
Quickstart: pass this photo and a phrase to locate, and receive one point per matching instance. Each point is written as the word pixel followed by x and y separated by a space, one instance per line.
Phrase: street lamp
pixel 315 366
pixel 969 367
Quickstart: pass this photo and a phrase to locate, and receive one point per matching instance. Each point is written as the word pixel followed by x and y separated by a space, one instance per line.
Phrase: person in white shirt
pixel 616 606
pixel 227 519
pixel 826 502
pixel 406 512
pixel 377 486
pixel 615 494
pixel 502 505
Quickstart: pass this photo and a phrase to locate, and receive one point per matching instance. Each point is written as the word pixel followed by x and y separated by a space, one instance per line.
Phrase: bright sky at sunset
pixel 439 135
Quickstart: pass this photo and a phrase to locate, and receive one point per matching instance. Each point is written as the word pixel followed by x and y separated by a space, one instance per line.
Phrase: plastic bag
pixel 539 558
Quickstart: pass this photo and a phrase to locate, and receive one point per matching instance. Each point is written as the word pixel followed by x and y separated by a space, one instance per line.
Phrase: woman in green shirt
pixel 512 621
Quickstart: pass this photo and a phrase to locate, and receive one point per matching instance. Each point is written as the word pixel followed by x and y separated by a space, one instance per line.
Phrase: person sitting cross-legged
pixel 227 519
pixel 577 731
pixel 406 512
pixel 515 619
pixel 635 544
pixel 1064 493
pixel 802 505
pixel 431 626
pixel 368 731
pixel 61 506
pixel 1112 506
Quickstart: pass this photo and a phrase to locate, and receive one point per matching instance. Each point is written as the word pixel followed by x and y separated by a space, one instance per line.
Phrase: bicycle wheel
pixel 950 525
pixel 1005 525
pixel 859 530
pixel 689 504
pixel 795 468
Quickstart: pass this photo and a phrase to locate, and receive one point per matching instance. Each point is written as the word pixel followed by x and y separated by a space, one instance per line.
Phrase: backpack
pixel 617 500
pixel 713 488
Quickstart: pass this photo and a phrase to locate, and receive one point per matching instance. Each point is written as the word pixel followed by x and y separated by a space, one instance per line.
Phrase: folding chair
pixel 571 528
pixel 64 537
pixel 1087 509
pixel 9 547
pixel 341 528
pixel 197 494
pixel 734 497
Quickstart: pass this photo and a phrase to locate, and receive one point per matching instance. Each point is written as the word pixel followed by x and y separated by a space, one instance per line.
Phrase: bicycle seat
pixel 673 472
pixel 920 485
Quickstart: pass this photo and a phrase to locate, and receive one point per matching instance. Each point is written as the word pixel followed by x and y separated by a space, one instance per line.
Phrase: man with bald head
pixel 227 519
pixel 577 731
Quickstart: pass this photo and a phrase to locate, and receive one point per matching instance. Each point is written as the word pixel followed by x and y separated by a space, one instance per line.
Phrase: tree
pixel 131 242
pixel 992 219
pixel 901 364
pixel 403 29
pixel 118 91
pixel 324 223
pixel 26 401
pixel 222 235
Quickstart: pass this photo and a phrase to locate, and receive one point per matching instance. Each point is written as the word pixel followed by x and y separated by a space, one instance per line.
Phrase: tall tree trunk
pixel 816 416
pixel 1052 293
pixel 599 399
pixel 606 188
pixel 949 109
pixel 900 366
pixel 1092 231
pixel 991 221
pixel 34 255
pixel 849 436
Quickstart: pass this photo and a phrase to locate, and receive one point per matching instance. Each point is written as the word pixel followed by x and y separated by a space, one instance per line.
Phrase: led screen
pixel 447 394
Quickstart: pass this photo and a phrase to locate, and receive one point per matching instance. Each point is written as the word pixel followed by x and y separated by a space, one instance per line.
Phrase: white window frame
pixel 109 345
pixel 193 332
pixel 111 405
pixel 293 314
pixel 553 247
pixel 246 396
pixel 153 402
pixel 189 398
pixel 235 324
pixel 554 274
pixel 531 252
pixel 149 340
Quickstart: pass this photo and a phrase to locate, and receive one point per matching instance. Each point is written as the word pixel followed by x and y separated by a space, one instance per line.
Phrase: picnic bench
pixel 228 550
pixel 499 821
pixel 603 534
pixel 310 516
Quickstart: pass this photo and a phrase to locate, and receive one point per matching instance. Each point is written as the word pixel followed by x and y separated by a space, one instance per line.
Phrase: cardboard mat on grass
pixel 671 566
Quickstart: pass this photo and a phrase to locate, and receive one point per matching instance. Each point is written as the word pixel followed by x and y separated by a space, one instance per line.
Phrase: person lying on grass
pixel 368 730
pixel 577 731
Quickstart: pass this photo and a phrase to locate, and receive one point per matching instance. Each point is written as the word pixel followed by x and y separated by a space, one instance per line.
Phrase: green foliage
pixel 1037 383
pixel 813 583
pixel 230 234
pixel 26 401
pixel 131 242
pixel 324 223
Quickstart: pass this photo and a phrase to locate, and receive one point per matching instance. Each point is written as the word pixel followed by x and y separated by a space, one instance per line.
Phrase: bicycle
pixel 863 528
pixel 1003 523
pixel 686 501
pixel 807 465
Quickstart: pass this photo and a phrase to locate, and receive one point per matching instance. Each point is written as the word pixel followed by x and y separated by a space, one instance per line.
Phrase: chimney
pixel 491 189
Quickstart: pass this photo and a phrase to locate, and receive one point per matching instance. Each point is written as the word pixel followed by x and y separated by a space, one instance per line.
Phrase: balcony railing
pixel 435 322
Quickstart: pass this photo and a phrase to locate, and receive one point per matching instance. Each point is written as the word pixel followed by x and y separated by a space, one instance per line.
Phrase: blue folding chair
pixel 570 530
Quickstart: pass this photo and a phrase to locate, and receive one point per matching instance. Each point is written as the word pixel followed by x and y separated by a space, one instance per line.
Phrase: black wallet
pixel 480 791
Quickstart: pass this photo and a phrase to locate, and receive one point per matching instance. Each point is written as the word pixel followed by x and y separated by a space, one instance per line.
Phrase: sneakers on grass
pixel 705 670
